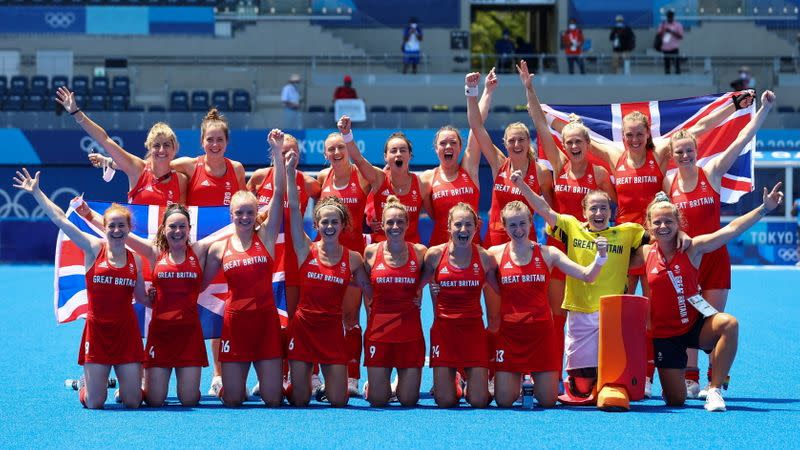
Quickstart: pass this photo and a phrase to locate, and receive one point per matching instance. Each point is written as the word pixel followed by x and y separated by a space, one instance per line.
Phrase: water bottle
pixel 527 392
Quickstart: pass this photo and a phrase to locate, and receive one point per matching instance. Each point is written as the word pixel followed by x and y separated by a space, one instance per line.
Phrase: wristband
pixel 348 137
pixel 737 101
pixel 763 212
pixel 471 91
pixel 75 112
pixel 600 260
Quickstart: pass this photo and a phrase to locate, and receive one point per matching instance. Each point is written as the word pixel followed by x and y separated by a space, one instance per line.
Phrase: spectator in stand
pixel 744 81
pixel 525 51
pixel 623 41
pixel 290 97
pixel 412 36
pixel 671 32
pixel 505 49
pixel 572 42
pixel 345 91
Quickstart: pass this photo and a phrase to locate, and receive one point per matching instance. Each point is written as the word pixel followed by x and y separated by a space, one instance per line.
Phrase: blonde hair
pixel 243 196
pixel 590 194
pixel 333 202
pixel 681 134
pixel 661 201
pixel 447 128
pixel 461 206
pixel 213 119
pixel 514 207
pixel 291 140
pixel 160 241
pixel 524 128
pixel 638 116
pixel 393 202
pixel 117 208
pixel 159 129
pixel 575 124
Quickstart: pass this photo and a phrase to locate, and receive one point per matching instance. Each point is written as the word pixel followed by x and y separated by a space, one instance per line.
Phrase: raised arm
pixel 300 240
pixel 721 164
pixel 539 120
pixel 472 153
pixel 130 164
pixel 707 243
pixel 540 205
pixel 138 244
pixel 492 154
pixel 268 232
pixel 372 174
pixel 557 258
pixel 89 244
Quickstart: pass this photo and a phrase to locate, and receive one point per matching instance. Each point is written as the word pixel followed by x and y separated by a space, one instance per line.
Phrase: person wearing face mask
pixel 744 80
pixel 572 42
pixel 671 32
pixel 623 41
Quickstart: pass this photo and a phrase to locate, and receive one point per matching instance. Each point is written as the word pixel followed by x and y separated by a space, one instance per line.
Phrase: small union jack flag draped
pixel 667 117
pixel 209 223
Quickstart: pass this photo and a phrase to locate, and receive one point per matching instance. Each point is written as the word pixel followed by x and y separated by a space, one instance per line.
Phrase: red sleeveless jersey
pixel 208 190
pixel 569 193
pixel 671 314
pixel 149 191
pixel 636 188
pixel 700 207
pixel 446 194
pixel 394 317
pixel 267 188
pixel 412 200
pixel 459 289
pixel 177 288
pixel 523 289
pixel 505 192
pixel 322 287
pixel 249 277
pixel 355 200
pixel 110 289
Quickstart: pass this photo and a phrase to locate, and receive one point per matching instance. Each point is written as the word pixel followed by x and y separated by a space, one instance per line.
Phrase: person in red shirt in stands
pixel 572 43
pixel 346 91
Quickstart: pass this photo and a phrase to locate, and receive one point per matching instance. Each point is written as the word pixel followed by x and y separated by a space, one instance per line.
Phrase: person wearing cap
pixel 623 41
pixel 671 32
pixel 345 91
pixel 290 97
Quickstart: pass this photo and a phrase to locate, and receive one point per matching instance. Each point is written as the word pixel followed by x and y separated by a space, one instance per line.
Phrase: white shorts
pixel 581 340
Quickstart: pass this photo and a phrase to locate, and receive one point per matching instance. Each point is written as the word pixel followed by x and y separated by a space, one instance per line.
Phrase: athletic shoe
pixel 256 391
pixel 352 387
pixel 692 389
pixel 714 400
pixel 117 398
pixel 648 388
pixel 491 387
pixel 393 396
pixel 315 383
pixel 216 386
pixel 320 395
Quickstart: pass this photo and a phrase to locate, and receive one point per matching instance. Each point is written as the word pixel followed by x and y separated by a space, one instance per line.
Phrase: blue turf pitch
pixel 35 410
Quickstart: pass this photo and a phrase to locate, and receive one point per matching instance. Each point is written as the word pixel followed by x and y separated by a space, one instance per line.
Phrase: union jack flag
pixel 209 223
pixel 667 117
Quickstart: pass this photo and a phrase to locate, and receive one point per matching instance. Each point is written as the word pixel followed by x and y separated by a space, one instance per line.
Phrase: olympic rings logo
pixel 59 19
pixel 89 145
pixel 12 208
pixel 788 254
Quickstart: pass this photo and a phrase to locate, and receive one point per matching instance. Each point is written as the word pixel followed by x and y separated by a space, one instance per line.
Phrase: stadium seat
pixel 80 85
pixel 399 109
pixel 38 85
pixel 378 109
pixel 199 101
pixel 179 101
pixel 121 86
pixel 100 85
pixel 135 108
pixel 521 108
pixel 18 85
pixel 459 109
pixel 80 100
pixel 316 109
pixel 420 109
pixel 440 108
pixel 221 100
pixel 57 81
pixel 156 108
pixel 33 102
pixel 501 109
pixel 118 102
pixel 97 102
pixel 786 109
pixel 241 101
pixel 3 86
pixel 13 102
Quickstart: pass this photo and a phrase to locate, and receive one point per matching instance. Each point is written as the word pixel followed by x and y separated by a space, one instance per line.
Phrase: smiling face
pixel 335 149
pixel 243 213
pixel 214 140
pixel 575 143
pixel 517 141
pixel 395 223
pixel 448 147
pixel 635 135
pixel 663 222
pixel 177 229
pixel 397 153
pixel 684 152
pixel 461 226
pixel 517 224
pixel 597 211
pixel 329 223
pixel 117 226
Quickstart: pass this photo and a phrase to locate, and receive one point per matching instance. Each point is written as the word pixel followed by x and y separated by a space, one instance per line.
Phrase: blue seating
pixel 156 108
pixel 57 81
pixel 97 102
pixel 118 102
pixel 100 85
pixel 179 101
pixel 459 109
pixel 13 102
pixel 18 85
pixel 241 101
pixel 316 109
pixel 121 86
pixel 80 100
pixel 3 85
pixel 38 85
pixel 33 102
pixel 199 101
pixel 501 109
pixel 221 100
pixel 420 109
pixel 786 109
pixel 80 85
pixel 399 109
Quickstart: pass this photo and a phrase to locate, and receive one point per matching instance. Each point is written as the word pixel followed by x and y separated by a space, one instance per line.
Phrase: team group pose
pixel 500 302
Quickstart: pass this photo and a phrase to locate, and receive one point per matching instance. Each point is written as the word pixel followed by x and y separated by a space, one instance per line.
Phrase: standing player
pixel 251 327
pixel 394 328
pixel 151 180
pixel 526 341
pixel 674 277
pixel 315 332
pixel 695 190
pixel 111 335
pixel 458 337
